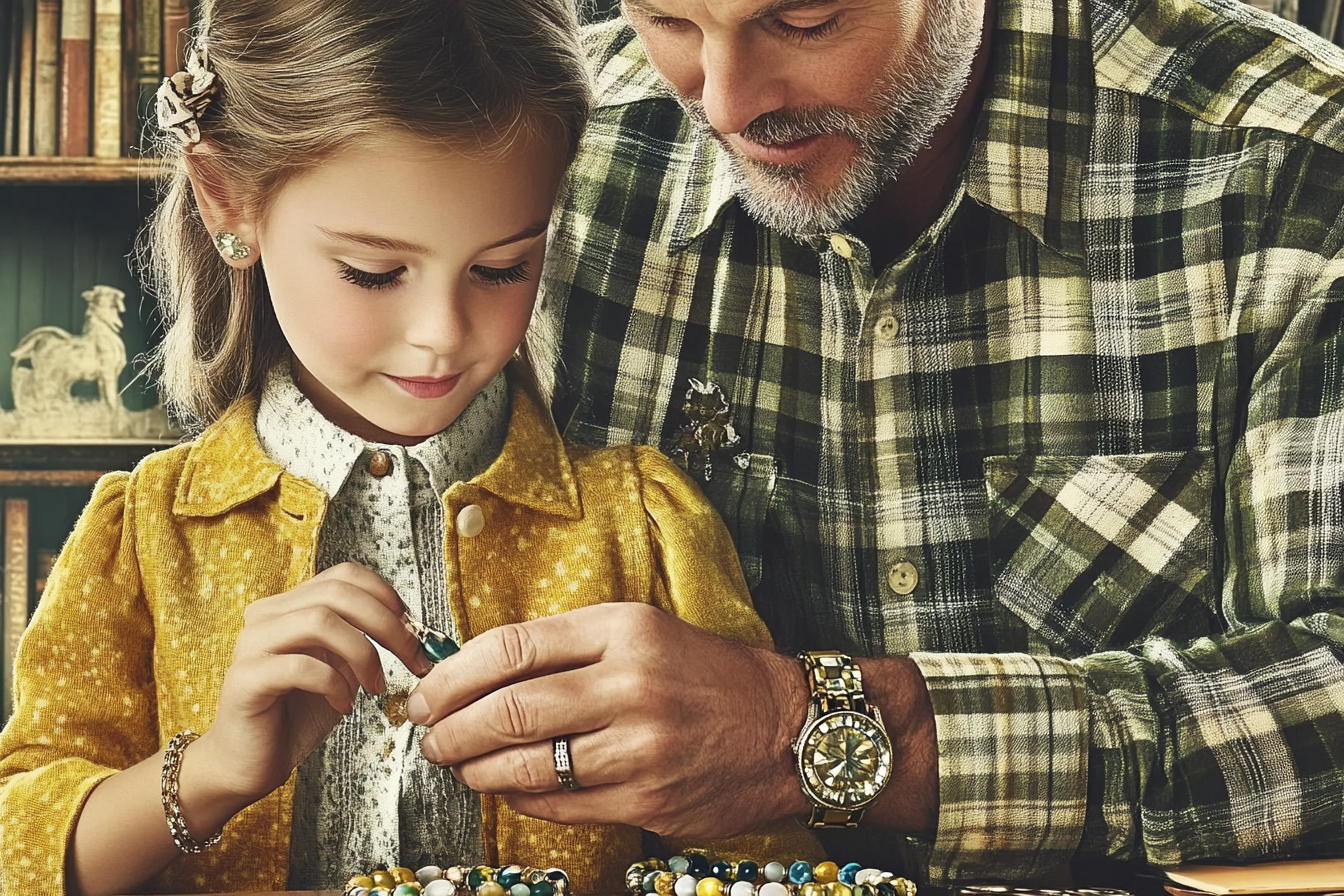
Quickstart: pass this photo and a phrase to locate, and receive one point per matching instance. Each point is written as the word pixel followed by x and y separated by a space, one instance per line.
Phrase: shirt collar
pixel 1027 158
pixel 295 435
pixel 227 465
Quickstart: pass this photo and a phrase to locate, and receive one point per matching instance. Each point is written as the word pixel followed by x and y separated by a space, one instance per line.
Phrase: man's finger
pixel 502 656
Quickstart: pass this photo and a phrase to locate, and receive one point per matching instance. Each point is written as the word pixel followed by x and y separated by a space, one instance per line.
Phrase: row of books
pixel 79 76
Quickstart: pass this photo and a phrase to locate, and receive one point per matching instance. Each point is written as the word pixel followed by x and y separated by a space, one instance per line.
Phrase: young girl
pixel 348 256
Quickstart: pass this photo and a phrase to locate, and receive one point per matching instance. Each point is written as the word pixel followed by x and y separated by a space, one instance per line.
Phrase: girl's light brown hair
pixel 299 79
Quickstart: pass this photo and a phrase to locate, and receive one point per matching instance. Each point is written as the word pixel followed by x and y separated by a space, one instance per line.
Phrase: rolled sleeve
pixel 1012 763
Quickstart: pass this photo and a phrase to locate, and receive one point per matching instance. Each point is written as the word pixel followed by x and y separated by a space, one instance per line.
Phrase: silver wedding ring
pixel 564 772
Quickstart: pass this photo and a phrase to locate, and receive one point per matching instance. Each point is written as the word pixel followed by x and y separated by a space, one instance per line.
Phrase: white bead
pixel 774 872
pixel 773 888
pixel 470 521
pixel 868 876
pixel 440 888
pixel 428 873
pixel 685 886
pixel 742 888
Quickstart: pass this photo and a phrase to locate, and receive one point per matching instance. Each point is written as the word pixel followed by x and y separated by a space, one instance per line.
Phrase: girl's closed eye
pixel 518 273
pixel 371 279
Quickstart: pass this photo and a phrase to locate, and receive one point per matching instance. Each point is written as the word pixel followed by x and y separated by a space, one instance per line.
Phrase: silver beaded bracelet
pixel 172 809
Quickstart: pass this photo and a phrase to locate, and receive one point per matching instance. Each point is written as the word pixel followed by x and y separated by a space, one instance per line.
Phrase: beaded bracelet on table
pixel 461 880
pixel 697 874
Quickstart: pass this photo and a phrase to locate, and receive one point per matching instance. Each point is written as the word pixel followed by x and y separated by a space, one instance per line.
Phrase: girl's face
pixel 403 275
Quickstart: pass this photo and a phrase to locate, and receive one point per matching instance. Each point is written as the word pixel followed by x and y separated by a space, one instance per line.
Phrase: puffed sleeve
pixel 83 693
pixel 703 584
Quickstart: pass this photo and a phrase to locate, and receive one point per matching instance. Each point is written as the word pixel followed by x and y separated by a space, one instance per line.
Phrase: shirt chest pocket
pixel 1096 552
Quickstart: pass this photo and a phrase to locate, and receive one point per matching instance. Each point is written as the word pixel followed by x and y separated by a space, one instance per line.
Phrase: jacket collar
pixel 1028 155
pixel 226 466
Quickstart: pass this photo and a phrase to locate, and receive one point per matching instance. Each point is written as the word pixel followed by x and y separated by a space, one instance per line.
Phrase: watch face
pixel 845 759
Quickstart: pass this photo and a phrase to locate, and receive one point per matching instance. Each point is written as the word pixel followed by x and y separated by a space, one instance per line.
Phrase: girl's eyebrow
pixel 392 244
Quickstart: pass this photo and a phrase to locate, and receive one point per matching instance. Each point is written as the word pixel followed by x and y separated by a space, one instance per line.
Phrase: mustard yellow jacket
pixel 137 626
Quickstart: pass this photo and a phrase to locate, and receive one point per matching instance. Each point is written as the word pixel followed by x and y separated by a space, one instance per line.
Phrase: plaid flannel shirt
pixel 1094 416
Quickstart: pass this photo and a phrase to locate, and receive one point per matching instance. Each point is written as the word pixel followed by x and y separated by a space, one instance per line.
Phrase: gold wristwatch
pixel 843 753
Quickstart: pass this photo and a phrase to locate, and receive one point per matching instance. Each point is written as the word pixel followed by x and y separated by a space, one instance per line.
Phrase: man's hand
pixel 671 728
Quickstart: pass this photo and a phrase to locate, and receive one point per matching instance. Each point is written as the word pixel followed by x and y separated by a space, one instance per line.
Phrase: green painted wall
pixel 56 242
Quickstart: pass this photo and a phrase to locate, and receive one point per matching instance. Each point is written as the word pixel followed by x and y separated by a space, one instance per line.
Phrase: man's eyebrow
pixel 773 9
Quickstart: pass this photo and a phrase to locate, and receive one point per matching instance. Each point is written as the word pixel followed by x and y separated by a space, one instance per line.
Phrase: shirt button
pixel 903 577
pixel 841 246
pixel 470 521
pixel 380 463
pixel 886 328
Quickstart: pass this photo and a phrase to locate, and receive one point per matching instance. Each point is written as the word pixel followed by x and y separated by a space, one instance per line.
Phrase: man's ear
pixel 232 228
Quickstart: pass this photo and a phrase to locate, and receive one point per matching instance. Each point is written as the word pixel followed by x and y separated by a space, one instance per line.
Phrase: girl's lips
pixel 425 386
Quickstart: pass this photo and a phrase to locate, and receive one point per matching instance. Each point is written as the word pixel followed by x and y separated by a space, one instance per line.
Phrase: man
pixel 1007 340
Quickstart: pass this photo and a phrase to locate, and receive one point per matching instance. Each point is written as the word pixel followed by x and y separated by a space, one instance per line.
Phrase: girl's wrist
pixel 207 802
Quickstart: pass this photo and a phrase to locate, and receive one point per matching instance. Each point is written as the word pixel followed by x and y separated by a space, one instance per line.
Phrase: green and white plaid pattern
pixel 1099 408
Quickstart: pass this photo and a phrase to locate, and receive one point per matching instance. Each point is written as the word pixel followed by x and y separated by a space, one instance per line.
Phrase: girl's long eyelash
pixel 519 273
pixel 369 279
pixel 816 32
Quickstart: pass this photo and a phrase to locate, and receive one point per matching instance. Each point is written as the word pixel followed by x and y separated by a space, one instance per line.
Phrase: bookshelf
pixel 77 80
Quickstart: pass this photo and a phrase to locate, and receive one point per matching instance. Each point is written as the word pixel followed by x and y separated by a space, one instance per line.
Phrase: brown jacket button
pixel 380 463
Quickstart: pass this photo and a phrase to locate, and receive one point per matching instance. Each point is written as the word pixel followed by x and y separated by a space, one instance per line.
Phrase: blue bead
pixel 747 871
pixel 697 865
pixel 722 870
pixel 800 873
pixel 847 873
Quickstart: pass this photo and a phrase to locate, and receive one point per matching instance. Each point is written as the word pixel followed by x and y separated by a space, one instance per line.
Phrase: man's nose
pixel 737 86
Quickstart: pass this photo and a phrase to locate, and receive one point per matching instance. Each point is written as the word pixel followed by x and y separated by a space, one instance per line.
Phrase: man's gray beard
pixel 911 103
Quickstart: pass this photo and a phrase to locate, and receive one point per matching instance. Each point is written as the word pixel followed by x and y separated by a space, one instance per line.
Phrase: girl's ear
pixel 231 227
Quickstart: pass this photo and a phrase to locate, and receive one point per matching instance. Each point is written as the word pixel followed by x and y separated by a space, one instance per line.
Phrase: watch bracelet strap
pixel 826 817
pixel 835 680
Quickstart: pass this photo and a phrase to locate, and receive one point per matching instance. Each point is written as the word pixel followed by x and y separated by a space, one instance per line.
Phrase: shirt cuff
pixel 1012 764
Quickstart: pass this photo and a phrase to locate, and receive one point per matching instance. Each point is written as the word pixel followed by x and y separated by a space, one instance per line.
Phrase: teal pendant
pixel 439 649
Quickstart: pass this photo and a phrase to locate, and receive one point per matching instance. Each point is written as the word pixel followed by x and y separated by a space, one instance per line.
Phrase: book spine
pixel 9 62
pixel 107 78
pixel 46 59
pixel 28 21
pixel 149 63
pixel 76 65
pixel 130 85
pixel 176 21
pixel 15 615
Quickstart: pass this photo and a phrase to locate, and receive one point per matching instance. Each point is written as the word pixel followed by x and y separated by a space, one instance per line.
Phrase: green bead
pixel 650 881
pixel 543 888
pixel 479 875
pixel 678 864
pixel 510 876
pixel 439 650
pixel 406 890
pixel 520 889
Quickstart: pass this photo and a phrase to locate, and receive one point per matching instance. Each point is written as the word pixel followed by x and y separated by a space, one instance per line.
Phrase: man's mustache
pixel 783 125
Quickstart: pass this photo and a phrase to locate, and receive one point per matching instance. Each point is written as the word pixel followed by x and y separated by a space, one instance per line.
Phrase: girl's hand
pixel 299 661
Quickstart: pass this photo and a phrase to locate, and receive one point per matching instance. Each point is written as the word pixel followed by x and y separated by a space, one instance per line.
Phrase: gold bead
pixel 826 872
pixel 490 888
pixel 402 874
pixel 384 879
pixel 360 880
pixel 839 888
pixel 665 883
pixel 811 888
pixel 709 886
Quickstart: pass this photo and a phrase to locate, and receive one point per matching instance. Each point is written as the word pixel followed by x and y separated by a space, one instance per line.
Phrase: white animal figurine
pixel 56 360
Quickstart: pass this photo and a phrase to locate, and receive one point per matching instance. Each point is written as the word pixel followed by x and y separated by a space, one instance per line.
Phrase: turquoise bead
pixel 847 873
pixel 439 650
pixel 520 889
pixel 746 871
pixel 800 873
pixel 722 870
pixel 678 864
pixel 698 865
pixel 510 876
